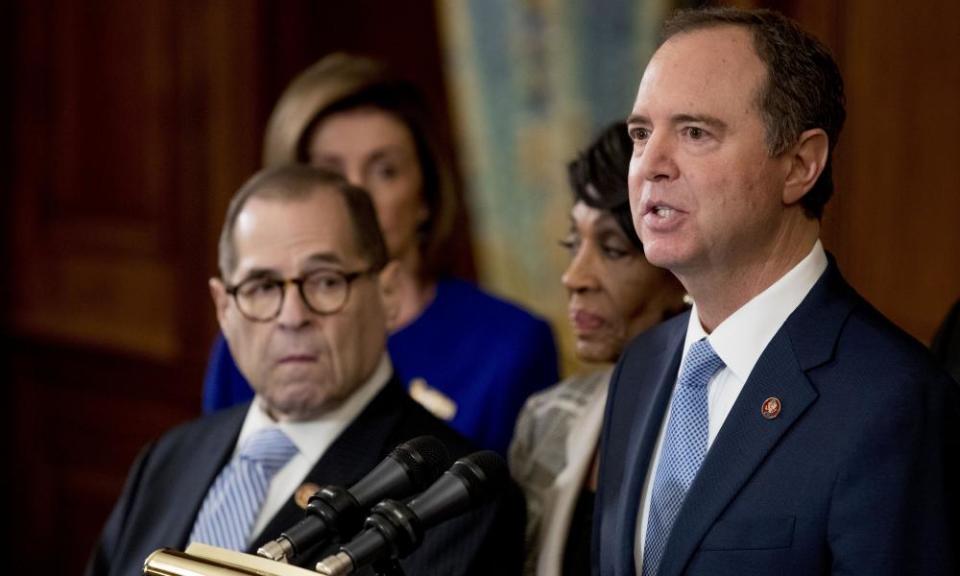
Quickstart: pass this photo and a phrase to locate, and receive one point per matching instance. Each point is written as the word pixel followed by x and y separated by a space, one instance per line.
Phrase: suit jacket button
pixel 771 408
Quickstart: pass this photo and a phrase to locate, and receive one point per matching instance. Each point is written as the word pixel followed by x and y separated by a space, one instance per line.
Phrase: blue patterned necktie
pixel 232 504
pixel 684 449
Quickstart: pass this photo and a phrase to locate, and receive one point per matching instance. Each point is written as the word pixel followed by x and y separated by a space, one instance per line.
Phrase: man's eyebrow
pixel 258 273
pixel 325 258
pixel 711 121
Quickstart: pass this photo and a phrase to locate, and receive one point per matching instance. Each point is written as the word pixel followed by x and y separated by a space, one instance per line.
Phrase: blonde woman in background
pixel 469 357
pixel 614 294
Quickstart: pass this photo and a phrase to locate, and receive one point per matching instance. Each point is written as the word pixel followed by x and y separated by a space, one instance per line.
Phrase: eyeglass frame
pixel 298 281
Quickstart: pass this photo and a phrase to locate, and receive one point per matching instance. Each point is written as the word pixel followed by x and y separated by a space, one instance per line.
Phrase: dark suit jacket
pixel 946 342
pixel 170 480
pixel 857 475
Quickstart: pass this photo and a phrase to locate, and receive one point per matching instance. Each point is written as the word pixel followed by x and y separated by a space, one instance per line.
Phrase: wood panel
pixel 107 309
pixel 83 417
pixel 893 223
pixel 88 238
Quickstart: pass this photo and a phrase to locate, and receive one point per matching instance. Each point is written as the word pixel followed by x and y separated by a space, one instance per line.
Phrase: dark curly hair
pixel 598 177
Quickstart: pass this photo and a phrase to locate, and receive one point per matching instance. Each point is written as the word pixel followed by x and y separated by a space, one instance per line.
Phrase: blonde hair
pixel 340 82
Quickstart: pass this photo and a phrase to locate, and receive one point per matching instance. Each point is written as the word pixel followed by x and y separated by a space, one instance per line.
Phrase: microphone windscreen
pixel 483 473
pixel 424 457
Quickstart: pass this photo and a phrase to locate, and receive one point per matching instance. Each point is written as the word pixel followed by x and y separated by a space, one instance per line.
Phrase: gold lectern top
pixel 205 560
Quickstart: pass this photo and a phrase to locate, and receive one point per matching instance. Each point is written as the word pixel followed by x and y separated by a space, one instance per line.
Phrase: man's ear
pixel 808 158
pixel 389 292
pixel 220 300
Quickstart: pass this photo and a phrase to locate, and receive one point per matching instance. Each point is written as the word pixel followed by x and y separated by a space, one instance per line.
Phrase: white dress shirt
pixel 738 341
pixel 312 439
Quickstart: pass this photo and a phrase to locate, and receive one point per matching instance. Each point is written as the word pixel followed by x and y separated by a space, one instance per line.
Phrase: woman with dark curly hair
pixel 614 294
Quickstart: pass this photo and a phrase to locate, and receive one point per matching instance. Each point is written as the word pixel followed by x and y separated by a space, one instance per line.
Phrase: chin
pixel 297 409
pixel 667 253
pixel 301 400
pixel 596 352
pixel 662 259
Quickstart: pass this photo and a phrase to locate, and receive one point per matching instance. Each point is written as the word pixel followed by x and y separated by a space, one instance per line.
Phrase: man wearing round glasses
pixel 304 299
pixel 324 292
pixel 304 295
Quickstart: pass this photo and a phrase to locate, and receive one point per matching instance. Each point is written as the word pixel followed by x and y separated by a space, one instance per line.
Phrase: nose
pixel 293 312
pixel 580 275
pixel 655 161
pixel 354 175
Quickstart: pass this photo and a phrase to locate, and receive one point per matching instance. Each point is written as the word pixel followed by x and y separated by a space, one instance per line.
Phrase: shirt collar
pixel 313 437
pixel 741 338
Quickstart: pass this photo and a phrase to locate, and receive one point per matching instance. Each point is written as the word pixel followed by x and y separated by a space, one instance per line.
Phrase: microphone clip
pixel 399 526
pixel 337 508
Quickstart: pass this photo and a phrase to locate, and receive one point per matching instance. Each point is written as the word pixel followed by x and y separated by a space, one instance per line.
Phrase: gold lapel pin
pixel 771 408
pixel 303 494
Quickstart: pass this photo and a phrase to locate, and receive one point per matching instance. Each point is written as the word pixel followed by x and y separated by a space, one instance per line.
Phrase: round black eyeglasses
pixel 324 292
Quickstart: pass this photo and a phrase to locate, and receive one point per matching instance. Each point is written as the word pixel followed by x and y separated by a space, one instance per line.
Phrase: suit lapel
pixel 208 454
pixel 741 446
pixel 641 410
pixel 746 438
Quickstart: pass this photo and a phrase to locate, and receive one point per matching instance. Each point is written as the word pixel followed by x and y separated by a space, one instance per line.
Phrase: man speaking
pixel 783 426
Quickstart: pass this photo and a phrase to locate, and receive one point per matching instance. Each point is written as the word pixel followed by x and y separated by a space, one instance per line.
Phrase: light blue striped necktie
pixel 232 504
pixel 684 448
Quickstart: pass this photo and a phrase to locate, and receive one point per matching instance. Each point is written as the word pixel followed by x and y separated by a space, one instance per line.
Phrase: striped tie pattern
pixel 232 504
pixel 684 448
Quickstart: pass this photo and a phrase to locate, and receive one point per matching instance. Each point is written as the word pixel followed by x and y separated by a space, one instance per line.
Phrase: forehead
pixel 360 129
pixel 708 71
pixel 282 234
pixel 585 215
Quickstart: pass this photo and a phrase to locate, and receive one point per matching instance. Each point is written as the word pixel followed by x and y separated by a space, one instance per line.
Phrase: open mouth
pixel 660 216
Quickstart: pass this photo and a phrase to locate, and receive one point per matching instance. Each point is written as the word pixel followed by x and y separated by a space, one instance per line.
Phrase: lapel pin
pixel 303 494
pixel 771 408
pixel 432 399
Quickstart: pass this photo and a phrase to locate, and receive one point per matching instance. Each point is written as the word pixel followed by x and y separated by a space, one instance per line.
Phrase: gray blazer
pixel 550 456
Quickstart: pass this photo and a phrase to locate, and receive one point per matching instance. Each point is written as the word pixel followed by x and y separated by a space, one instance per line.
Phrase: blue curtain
pixel 531 83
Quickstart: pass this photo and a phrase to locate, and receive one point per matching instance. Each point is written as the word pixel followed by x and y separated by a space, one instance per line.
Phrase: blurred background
pixel 128 125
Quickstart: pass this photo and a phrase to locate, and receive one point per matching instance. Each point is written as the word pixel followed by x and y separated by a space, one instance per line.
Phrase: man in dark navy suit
pixel 783 426
pixel 303 299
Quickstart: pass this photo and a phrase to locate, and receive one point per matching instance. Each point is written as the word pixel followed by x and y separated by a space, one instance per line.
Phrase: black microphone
pixel 394 529
pixel 334 511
